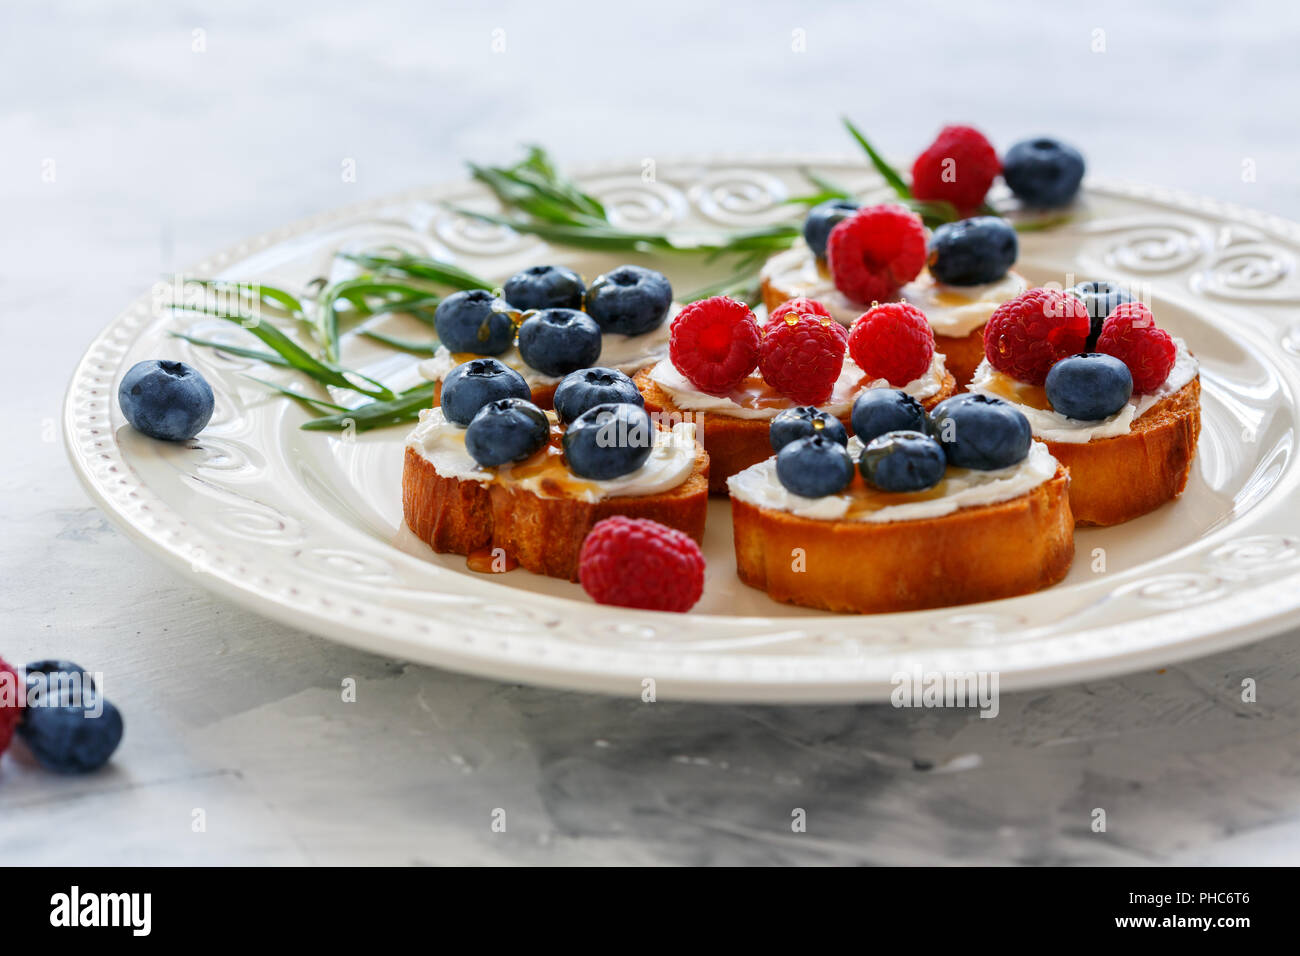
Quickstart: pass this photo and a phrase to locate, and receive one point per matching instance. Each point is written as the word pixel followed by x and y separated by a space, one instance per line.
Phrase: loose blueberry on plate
pixel 903 461
pixel 880 410
pixel 972 251
pixel 981 432
pixel 1043 172
pixel 1089 387
pixel 166 400
pixel 475 321
pixel 803 421
pixel 590 387
pixel 609 441
pixel 1101 299
pixel 821 219
pixel 67 725
pixel 630 300
pixel 814 467
pixel 545 287
pixel 559 341
pixel 471 385
pixel 506 430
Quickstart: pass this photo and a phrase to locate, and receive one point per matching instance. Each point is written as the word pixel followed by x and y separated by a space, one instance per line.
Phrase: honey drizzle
pixel 486 561
pixel 864 499
pixel 1004 386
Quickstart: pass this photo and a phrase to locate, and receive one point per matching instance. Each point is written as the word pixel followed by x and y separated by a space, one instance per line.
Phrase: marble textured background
pixel 162 154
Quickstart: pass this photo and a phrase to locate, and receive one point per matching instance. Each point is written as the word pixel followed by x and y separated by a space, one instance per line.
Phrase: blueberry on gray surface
pixel 475 321
pixel 167 400
pixel 471 385
pixel 1089 387
pixel 559 341
pixel 544 287
pixel 981 431
pixel 629 300
pixel 880 410
pixel 903 461
pixel 1101 299
pixel 609 441
pixel 814 467
pixel 821 219
pixel 67 724
pixel 589 387
pixel 972 251
pixel 506 430
pixel 803 421
pixel 1043 172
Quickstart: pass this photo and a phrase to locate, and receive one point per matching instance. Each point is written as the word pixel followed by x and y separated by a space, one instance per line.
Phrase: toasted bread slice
pixel 734 443
pixel 978 553
pixel 1117 479
pixel 542 534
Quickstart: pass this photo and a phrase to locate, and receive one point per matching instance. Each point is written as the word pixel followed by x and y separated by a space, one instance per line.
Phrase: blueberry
pixel 630 300
pixel 814 467
pixel 903 461
pixel 1101 299
pixel 880 410
pixel 51 680
pixel 471 385
pixel 1043 172
pixel 475 321
pixel 67 725
pixel 609 441
pixel 822 218
pixel 590 387
pixel 545 287
pixel 506 430
pixel 981 432
pixel 1089 387
pixel 972 251
pixel 167 400
pixel 559 341
pixel 803 421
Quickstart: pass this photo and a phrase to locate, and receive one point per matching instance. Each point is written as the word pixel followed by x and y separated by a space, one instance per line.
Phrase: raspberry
pixel 801 357
pixel 1025 337
pixel 10 695
pixel 893 341
pixel 958 167
pixel 874 252
pixel 636 562
pixel 1130 334
pixel 714 343
pixel 802 305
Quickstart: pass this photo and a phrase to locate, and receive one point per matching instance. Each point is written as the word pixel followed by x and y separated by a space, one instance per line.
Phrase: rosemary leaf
pixel 405 345
pixel 267 293
pixel 270 358
pixel 890 174
pixel 420 267
pixel 316 405
pixel 295 355
pixel 402 408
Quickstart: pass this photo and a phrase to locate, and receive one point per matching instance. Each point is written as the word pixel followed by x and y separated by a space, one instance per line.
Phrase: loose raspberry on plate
pixel 801 305
pixel 10 695
pixel 1025 337
pixel 1130 334
pixel 875 252
pixel 958 167
pixel 636 562
pixel 714 343
pixel 801 357
pixel 893 341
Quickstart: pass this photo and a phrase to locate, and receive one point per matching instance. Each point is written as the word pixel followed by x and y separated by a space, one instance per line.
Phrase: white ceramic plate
pixel 306 527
